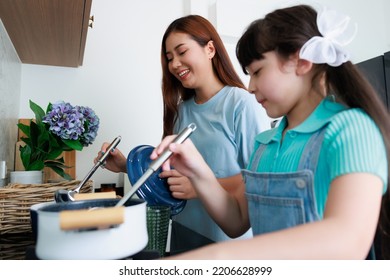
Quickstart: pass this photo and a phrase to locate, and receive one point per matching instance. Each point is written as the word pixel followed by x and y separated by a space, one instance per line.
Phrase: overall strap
pixel 257 156
pixel 311 152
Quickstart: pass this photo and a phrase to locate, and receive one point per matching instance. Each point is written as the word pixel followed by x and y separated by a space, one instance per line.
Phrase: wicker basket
pixel 16 200
pixel 16 246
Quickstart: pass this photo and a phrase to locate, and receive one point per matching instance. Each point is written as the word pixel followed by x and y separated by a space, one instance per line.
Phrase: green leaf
pixel 61 172
pixel 49 107
pixel 25 155
pixel 26 140
pixel 34 135
pixel 36 165
pixel 24 128
pixel 55 141
pixel 58 167
pixel 57 162
pixel 38 111
pixel 74 144
pixel 54 154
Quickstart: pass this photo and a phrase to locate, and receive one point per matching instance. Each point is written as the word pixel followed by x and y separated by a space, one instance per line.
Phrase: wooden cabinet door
pixel 48 32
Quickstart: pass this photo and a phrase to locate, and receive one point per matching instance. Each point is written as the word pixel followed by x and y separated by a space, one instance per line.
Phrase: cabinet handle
pixel 91 20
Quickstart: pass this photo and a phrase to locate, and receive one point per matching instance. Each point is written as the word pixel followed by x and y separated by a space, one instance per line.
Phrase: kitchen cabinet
pixel 377 71
pixel 386 60
pixel 47 32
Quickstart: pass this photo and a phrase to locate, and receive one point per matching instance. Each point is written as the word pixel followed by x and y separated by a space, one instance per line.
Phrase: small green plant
pixel 62 127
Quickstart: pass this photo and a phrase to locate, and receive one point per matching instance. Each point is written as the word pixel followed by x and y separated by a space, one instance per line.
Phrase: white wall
pixel 10 79
pixel 121 75
pixel 373 37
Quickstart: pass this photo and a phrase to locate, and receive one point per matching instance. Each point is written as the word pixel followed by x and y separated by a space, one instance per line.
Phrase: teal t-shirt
pixel 352 143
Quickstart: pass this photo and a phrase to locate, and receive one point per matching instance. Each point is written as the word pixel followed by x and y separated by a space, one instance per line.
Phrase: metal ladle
pixel 156 164
pixel 65 195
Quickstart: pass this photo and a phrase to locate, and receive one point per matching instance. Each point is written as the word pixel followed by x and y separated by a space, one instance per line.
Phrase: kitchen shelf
pixel 47 32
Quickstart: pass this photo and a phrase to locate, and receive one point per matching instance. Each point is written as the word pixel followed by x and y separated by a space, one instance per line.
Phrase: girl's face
pixel 276 85
pixel 189 62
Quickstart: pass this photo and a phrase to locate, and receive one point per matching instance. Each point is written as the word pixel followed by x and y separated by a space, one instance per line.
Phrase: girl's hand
pixel 115 162
pixel 179 185
pixel 185 159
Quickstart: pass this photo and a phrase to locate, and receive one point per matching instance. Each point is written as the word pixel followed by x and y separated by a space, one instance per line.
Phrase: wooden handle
pixel 91 218
pixel 101 195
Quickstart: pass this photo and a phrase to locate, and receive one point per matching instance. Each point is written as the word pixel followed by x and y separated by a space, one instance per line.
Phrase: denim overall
pixel 281 200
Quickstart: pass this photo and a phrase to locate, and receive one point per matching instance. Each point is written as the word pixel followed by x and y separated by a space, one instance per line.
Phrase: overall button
pixel 300 183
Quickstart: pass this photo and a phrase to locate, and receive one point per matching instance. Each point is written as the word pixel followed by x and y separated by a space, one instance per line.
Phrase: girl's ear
pixel 210 49
pixel 303 66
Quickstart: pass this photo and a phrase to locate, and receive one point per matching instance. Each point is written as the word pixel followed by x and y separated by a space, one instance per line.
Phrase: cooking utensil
pixel 34 216
pixel 112 240
pixel 155 190
pixel 155 165
pixel 66 195
pixel 80 196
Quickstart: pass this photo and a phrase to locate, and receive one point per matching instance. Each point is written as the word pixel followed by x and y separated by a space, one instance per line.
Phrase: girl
pixel 314 185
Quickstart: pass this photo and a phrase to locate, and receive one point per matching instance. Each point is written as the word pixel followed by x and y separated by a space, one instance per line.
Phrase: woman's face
pixel 188 61
pixel 275 84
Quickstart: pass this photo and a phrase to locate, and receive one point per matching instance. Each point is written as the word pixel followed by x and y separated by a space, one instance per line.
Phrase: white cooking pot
pixel 91 229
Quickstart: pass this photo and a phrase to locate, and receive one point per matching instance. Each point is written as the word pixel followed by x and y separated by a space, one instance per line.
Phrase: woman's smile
pixel 183 74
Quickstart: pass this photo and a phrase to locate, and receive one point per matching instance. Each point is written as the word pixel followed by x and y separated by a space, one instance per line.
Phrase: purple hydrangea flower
pixel 72 123
pixel 91 125
pixel 65 121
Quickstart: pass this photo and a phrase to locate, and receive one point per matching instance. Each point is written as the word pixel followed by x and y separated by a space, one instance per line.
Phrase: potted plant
pixel 62 127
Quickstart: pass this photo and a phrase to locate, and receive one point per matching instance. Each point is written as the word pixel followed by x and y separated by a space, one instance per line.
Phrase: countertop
pixel 184 239
pixel 21 246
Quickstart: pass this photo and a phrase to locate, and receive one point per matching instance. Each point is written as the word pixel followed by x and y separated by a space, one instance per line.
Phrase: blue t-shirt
pixel 227 125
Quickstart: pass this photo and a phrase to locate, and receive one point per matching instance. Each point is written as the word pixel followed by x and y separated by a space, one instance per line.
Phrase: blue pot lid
pixel 155 191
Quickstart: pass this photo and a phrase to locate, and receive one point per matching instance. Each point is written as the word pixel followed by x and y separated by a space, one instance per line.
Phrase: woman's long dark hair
pixel 202 31
pixel 286 31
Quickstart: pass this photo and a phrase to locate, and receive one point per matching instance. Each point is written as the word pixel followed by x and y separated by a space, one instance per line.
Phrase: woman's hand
pixel 179 185
pixel 115 162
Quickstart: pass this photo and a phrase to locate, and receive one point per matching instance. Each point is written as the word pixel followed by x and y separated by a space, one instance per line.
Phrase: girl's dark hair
pixel 285 31
pixel 202 31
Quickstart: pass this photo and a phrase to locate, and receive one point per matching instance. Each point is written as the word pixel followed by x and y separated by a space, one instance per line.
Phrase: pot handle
pixel 101 195
pixel 95 218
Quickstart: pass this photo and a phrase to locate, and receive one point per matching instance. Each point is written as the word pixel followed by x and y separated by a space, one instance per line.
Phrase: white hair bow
pixel 336 33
